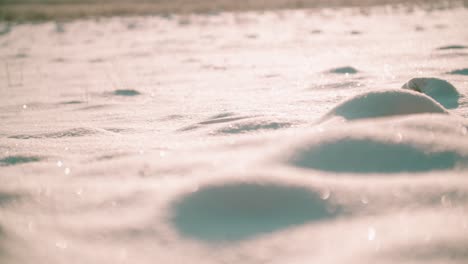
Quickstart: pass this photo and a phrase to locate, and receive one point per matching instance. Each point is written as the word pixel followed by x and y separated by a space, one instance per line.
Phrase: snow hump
pixel 241 210
pixel 440 90
pixel 384 103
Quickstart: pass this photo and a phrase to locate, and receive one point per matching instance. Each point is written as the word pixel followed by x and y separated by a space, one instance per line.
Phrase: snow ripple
pixel 452 47
pixel 74 132
pixel 218 119
pixel 252 126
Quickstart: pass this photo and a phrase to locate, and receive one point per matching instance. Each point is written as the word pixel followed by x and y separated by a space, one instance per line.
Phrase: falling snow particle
pixel 325 194
pixel 61 244
pixel 371 234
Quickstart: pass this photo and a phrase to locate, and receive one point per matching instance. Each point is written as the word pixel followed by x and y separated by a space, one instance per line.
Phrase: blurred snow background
pixel 280 136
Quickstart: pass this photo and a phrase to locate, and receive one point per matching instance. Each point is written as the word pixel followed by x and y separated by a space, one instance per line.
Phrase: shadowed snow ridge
pixel 14 160
pixel 452 47
pixel 371 156
pixel 217 119
pixel 238 211
pixel 460 72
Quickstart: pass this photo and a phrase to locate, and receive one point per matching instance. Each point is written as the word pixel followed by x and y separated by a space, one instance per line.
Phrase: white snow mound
pixel 384 103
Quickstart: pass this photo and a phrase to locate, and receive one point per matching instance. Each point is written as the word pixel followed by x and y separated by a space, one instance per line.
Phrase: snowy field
pixel 270 137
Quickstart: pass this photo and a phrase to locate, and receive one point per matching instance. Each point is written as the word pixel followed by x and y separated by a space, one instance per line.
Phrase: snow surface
pixel 197 138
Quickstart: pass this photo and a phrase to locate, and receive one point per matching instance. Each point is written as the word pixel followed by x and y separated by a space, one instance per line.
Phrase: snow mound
pixel 460 72
pixel 252 126
pixel 239 210
pixel 384 103
pixel 358 155
pixel 14 160
pixel 344 70
pixel 440 90
pixel 74 132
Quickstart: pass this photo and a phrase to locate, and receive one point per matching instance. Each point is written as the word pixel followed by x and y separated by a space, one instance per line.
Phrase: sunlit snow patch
pixel 237 211
pixel 384 103
pixel 440 90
